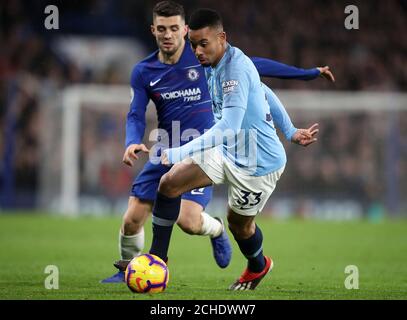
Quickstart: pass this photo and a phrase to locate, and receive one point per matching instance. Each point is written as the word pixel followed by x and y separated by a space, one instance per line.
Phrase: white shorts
pixel 247 195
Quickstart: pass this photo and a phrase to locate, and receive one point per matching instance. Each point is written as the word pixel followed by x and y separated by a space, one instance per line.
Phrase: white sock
pixel 210 226
pixel 131 246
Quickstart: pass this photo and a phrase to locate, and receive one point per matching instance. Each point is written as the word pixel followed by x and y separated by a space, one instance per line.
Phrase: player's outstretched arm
pixel 227 127
pixel 274 69
pixel 278 113
pixel 304 137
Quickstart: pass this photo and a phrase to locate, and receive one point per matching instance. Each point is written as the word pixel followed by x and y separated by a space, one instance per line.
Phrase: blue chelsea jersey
pixel 179 92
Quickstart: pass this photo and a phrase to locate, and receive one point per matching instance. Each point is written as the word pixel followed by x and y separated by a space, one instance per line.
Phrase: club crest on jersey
pixel 193 74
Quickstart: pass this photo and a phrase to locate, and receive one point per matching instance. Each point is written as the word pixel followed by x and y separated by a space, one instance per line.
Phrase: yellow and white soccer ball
pixel 147 273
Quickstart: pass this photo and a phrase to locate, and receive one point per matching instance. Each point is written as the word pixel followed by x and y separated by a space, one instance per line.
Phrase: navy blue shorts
pixel 145 185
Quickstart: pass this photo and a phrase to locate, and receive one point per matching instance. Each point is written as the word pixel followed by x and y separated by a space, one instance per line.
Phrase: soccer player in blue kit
pixel 175 81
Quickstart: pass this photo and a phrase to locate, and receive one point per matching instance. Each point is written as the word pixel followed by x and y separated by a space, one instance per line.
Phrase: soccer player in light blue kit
pixel 242 149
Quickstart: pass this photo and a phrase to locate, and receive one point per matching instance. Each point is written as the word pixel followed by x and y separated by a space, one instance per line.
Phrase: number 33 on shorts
pixel 246 200
pixel 248 194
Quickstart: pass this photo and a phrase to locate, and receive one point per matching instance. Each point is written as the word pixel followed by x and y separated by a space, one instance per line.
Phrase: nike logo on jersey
pixel 152 84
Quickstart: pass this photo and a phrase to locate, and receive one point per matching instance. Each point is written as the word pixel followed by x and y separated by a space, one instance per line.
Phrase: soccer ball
pixel 147 273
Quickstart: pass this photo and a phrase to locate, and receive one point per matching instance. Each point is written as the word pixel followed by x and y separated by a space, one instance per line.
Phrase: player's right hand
pixel 131 153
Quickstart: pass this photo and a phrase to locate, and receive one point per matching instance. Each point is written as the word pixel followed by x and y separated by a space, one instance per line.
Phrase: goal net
pixel 357 167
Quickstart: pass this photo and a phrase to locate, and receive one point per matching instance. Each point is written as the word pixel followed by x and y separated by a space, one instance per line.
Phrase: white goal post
pixel 72 99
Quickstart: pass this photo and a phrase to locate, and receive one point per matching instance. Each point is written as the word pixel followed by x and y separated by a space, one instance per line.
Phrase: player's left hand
pixel 304 137
pixel 164 159
pixel 324 72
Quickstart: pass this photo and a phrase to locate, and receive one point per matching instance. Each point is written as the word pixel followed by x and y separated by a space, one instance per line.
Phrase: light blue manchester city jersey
pixel 242 114
pixel 235 83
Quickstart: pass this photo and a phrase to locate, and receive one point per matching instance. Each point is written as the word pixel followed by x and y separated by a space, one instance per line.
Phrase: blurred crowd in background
pixel 305 33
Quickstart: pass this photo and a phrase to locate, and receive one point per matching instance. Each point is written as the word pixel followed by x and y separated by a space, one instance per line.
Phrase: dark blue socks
pixel 165 214
pixel 252 249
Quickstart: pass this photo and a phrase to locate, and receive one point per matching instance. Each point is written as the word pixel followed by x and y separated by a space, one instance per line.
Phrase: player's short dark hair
pixel 168 8
pixel 203 18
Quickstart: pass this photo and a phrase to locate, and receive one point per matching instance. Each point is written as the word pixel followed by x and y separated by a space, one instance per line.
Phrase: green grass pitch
pixel 310 259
